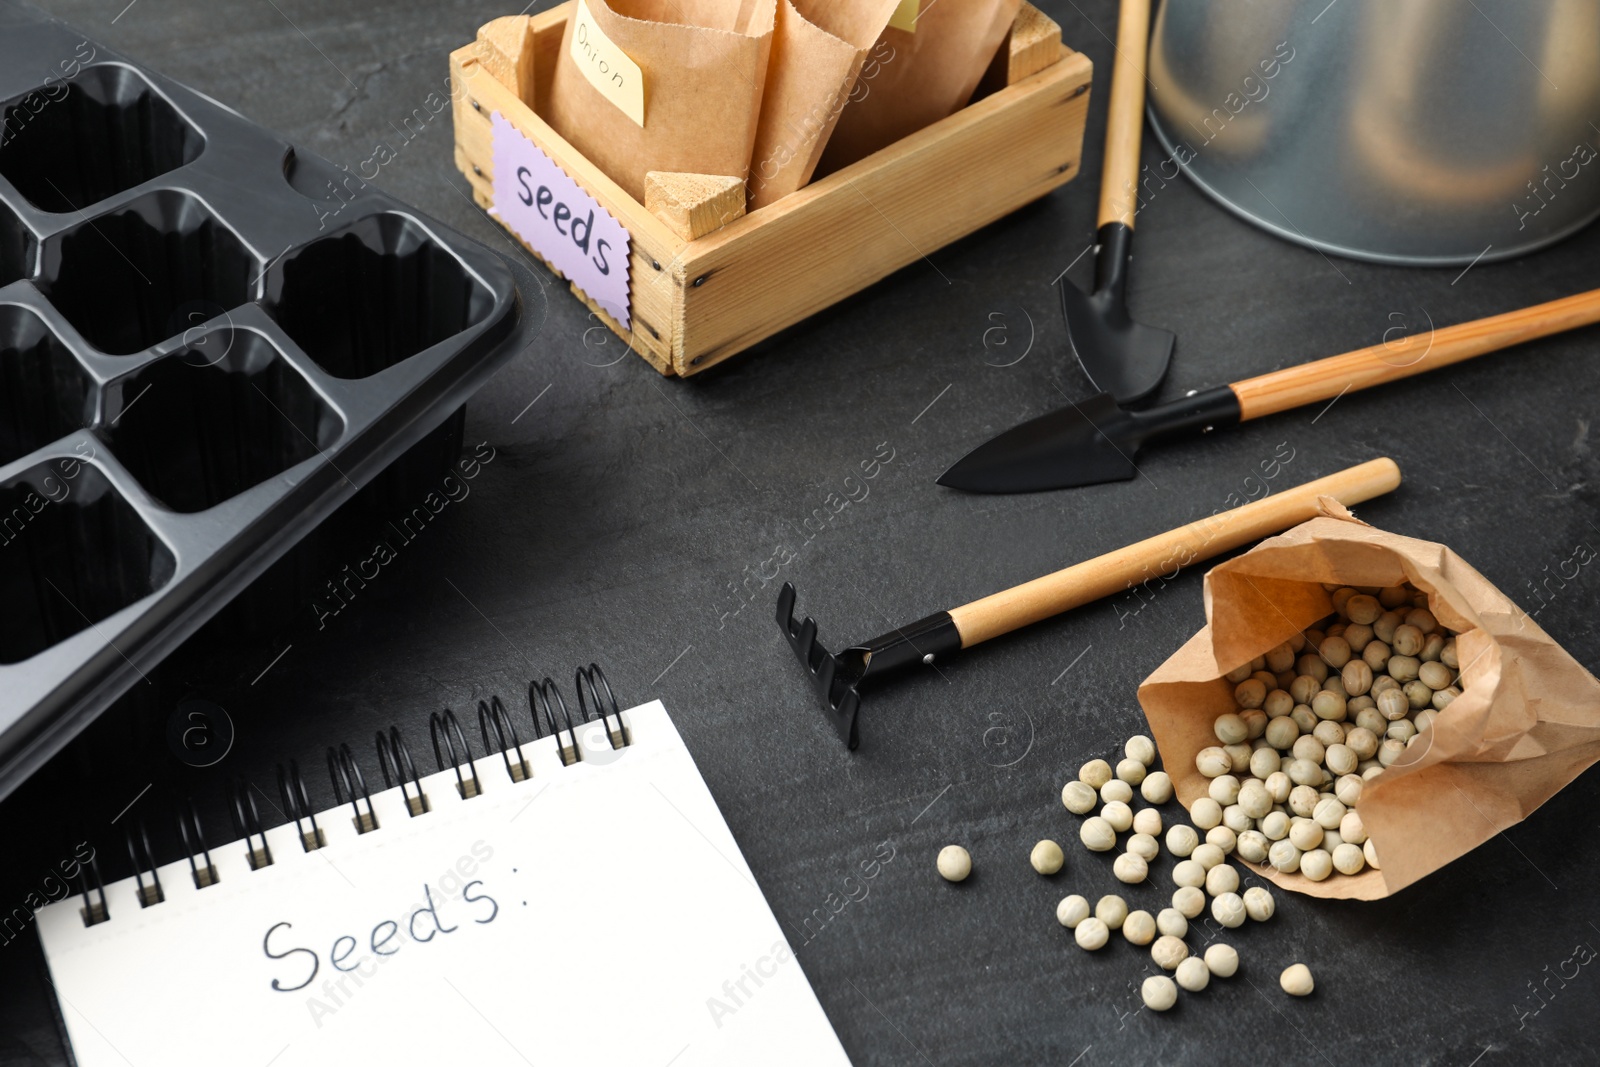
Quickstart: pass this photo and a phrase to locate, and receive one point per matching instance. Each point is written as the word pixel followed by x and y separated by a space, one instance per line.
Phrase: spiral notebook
pixel 576 899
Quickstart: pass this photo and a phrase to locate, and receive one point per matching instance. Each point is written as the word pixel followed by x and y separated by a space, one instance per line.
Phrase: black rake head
pixel 841 701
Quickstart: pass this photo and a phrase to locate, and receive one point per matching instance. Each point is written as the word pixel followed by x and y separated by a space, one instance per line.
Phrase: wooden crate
pixel 706 280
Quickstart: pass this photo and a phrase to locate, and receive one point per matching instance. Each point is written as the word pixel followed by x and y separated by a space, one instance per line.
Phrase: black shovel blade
pixel 1085 443
pixel 1081 444
pixel 1124 358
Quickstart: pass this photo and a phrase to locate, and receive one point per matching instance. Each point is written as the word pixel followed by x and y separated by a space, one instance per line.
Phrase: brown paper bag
pixel 703 64
pixel 817 51
pixel 914 78
pixel 1527 721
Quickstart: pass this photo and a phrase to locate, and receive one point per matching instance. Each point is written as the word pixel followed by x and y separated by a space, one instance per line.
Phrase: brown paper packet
pixel 704 64
pixel 913 79
pixel 817 51
pixel 1527 721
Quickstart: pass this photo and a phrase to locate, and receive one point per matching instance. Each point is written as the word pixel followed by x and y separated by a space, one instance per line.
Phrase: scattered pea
pixel 1079 798
pixel 1222 878
pixel 1208 855
pixel 1130 772
pixel 1091 934
pixel 1130 868
pixel 1118 814
pixel 1158 992
pixel 1147 821
pixel 1046 857
pixel 954 863
pixel 1296 980
pixel 1095 773
pixel 1111 910
pixel 1139 928
pixel 1284 856
pixel 1072 910
pixel 1188 901
pixel 1222 960
pixel 1097 835
pixel 1116 791
pixel 1171 922
pixel 1193 974
pixel 1222 837
pixel 1144 846
pixel 1189 872
pixel 1258 903
pixel 1156 787
pixel 1228 909
pixel 1168 951
pixel 1205 813
pixel 1181 840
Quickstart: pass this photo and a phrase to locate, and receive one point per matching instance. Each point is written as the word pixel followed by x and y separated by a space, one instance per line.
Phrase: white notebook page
pixel 594 913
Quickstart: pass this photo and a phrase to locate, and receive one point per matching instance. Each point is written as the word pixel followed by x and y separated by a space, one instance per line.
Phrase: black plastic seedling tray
pixel 202 354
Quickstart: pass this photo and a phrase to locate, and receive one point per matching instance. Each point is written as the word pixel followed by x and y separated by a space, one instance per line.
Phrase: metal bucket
pixel 1428 132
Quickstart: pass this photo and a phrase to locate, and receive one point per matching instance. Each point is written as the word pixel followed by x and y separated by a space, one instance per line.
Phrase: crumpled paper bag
pixel 1527 721
pixel 704 64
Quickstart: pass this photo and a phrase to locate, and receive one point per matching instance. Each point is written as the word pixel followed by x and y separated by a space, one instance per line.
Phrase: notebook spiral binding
pixel 451 750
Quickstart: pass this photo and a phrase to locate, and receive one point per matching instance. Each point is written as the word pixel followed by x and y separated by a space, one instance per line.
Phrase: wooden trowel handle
pixel 1119 177
pixel 1162 556
pixel 1391 360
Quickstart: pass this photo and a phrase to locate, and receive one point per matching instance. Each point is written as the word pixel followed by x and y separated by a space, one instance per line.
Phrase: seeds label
pixel 566 226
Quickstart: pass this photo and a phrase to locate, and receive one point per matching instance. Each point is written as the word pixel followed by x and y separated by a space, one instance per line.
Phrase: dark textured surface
pixel 639 521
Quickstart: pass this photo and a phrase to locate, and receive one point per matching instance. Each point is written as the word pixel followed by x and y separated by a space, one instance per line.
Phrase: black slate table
pixel 640 522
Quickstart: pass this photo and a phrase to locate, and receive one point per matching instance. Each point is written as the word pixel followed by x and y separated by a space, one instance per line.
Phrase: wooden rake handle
pixel 1119 173
pixel 1324 379
pixel 1022 605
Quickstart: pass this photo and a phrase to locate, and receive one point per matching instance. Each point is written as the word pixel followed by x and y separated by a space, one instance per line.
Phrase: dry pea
pixel 1111 910
pixel 1348 858
pixel 1205 813
pixel 1158 992
pixel 1139 928
pixel 954 863
pixel 1188 901
pixel 1172 923
pixel 1131 771
pixel 1258 904
pixel 1189 872
pixel 1208 855
pixel 1091 934
pixel 1130 869
pixel 1116 791
pixel 1168 951
pixel 1144 846
pixel 1228 909
pixel 1046 857
pixel 1147 821
pixel 1072 910
pixel 1097 835
pixel 1316 864
pixel 1181 840
pixel 1141 748
pixel 1223 878
pixel 1095 773
pixel 1156 787
pixel 1193 974
pixel 1078 798
pixel 1118 814
pixel 1222 960
pixel 1296 980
